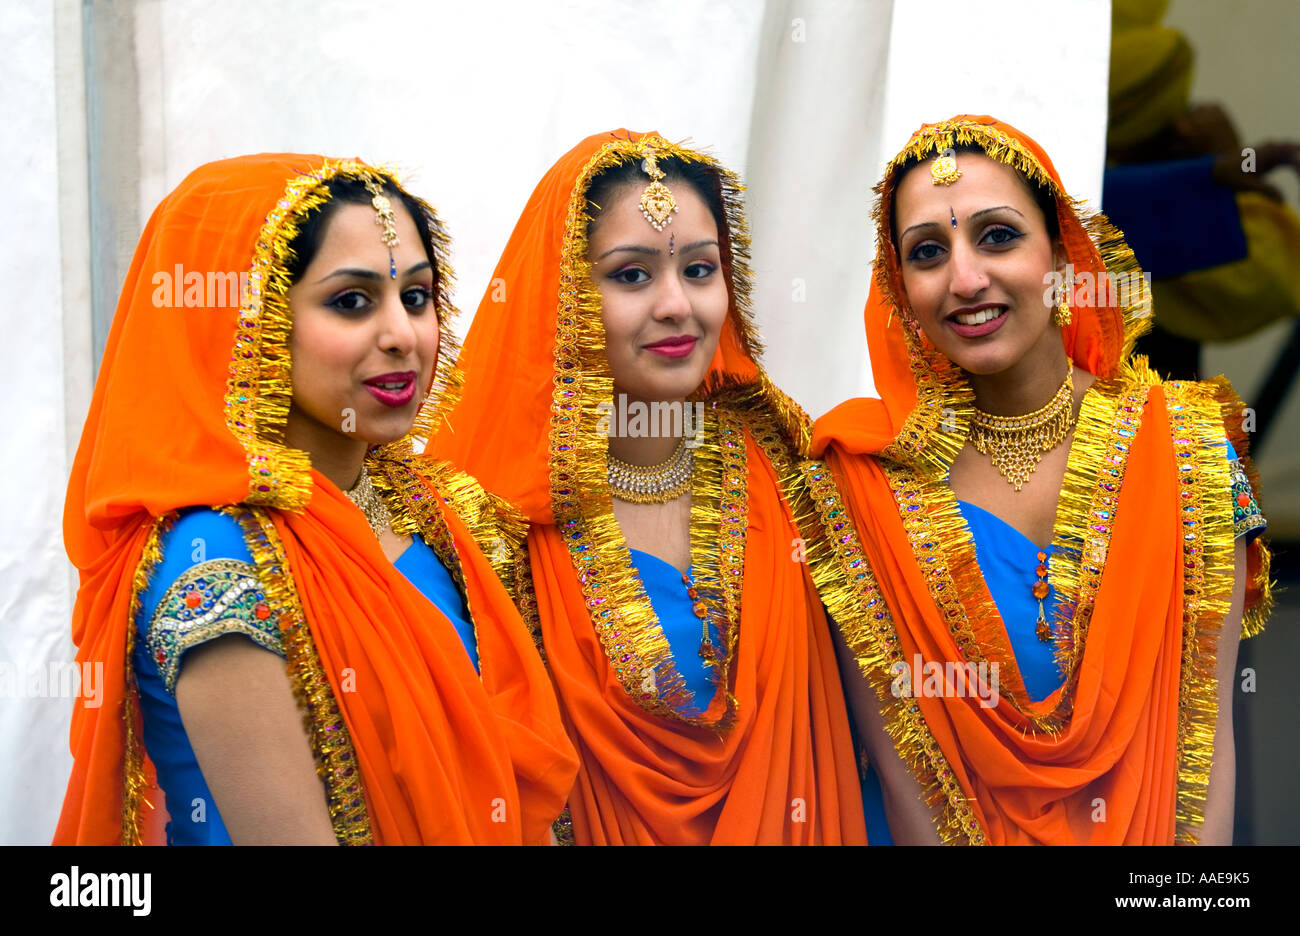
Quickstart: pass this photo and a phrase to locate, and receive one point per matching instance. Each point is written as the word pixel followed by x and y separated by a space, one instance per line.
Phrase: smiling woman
pixel 256 535
pixel 1037 506
pixel 664 569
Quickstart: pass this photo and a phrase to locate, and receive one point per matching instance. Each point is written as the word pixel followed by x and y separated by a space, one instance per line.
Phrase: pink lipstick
pixel 677 347
pixel 395 389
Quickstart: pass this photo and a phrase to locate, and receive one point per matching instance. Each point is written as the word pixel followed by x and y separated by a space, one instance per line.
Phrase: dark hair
pixel 1041 193
pixel 699 176
pixel 351 190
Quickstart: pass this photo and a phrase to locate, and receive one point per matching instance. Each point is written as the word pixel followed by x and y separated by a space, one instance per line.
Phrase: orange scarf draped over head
pixel 1142 562
pixel 769 759
pixel 189 409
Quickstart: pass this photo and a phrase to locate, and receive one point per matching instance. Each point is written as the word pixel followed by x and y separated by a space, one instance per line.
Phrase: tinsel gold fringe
pixel 1208 549
pixel 323 720
pixel 1109 420
pixel 848 588
pixel 524 593
pixel 259 387
pixel 133 779
pixel 1255 617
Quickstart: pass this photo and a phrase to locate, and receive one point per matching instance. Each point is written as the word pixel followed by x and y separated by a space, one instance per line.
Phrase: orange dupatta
pixel 189 409
pixel 1120 754
pixel 770 760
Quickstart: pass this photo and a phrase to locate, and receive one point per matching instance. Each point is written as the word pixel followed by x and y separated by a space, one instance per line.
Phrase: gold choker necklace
pixel 368 501
pixel 652 484
pixel 1016 443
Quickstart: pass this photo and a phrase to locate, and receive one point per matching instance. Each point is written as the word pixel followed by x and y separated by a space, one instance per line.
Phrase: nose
pixel 968 275
pixel 396 332
pixel 671 302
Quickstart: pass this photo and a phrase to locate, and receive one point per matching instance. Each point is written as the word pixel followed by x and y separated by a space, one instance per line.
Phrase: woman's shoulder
pixel 203 585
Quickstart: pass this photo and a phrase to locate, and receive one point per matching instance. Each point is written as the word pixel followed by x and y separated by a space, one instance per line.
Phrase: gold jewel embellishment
pixel 1016 443
pixel 368 501
pixel 652 484
pixel 657 202
pixel 944 171
pixel 852 595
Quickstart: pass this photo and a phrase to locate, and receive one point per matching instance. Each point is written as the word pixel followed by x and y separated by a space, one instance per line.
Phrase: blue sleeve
pixel 1174 216
pixel 205 586
pixel 1247 519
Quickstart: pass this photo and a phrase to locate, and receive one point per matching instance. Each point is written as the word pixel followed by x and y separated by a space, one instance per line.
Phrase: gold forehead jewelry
pixel 1016 444
pixel 385 218
pixel 944 170
pixel 657 202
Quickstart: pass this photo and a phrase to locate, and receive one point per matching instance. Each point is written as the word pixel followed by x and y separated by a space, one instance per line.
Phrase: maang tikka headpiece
pixel 657 202
pixel 386 220
pixel 944 171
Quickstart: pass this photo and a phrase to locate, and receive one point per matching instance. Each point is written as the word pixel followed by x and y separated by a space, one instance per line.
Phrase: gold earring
pixel 1061 314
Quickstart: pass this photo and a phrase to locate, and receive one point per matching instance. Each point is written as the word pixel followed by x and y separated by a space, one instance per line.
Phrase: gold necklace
pixel 652 484
pixel 1016 443
pixel 368 501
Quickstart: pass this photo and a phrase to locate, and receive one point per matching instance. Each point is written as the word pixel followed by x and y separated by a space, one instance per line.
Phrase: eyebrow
pixel 360 273
pixel 969 217
pixel 655 251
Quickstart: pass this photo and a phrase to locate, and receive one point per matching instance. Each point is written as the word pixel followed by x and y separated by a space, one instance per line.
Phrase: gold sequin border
pixel 849 589
pixel 1206 521
pixel 1109 420
pixel 330 739
pixel 134 782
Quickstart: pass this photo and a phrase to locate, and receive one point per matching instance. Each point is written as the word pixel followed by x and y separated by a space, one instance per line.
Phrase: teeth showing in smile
pixel 978 318
pixel 392 387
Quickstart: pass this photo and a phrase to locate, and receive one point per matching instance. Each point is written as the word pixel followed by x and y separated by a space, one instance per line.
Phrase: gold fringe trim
pixel 133 779
pixel 259 388
pixel 1109 420
pixel 1208 547
pixel 331 743
pixel 416 491
pixel 849 589
pixel 1254 618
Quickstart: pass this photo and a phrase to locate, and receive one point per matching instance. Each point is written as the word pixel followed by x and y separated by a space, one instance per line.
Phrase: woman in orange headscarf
pixel 252 524
pixel 612 392
pixel 1052 610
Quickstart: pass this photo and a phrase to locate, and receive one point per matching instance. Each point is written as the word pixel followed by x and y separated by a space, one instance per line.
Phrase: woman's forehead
pixel 984 182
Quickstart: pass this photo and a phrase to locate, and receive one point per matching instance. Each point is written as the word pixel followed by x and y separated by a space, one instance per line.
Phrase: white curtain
pixel 109 105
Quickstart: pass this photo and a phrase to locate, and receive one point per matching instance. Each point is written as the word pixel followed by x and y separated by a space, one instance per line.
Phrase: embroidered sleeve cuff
pixel 1247 520
pixel 210 600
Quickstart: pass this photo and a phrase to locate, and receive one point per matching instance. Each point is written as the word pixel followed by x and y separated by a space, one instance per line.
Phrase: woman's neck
pixel 1028 384
pixel 647 433
pixel 336 456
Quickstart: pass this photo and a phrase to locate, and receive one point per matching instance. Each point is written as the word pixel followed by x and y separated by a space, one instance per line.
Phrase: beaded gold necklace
pixel 1016 443
pixel 652 484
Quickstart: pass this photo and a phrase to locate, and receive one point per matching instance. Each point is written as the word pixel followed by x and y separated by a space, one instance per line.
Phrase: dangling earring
pixel 1061 314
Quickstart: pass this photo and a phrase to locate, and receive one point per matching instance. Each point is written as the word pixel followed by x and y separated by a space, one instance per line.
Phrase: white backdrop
pixel 475 101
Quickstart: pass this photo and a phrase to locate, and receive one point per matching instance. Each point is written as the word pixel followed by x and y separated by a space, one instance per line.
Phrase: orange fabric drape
pixel 779 766
pixel 1120 753
pixel 188 410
